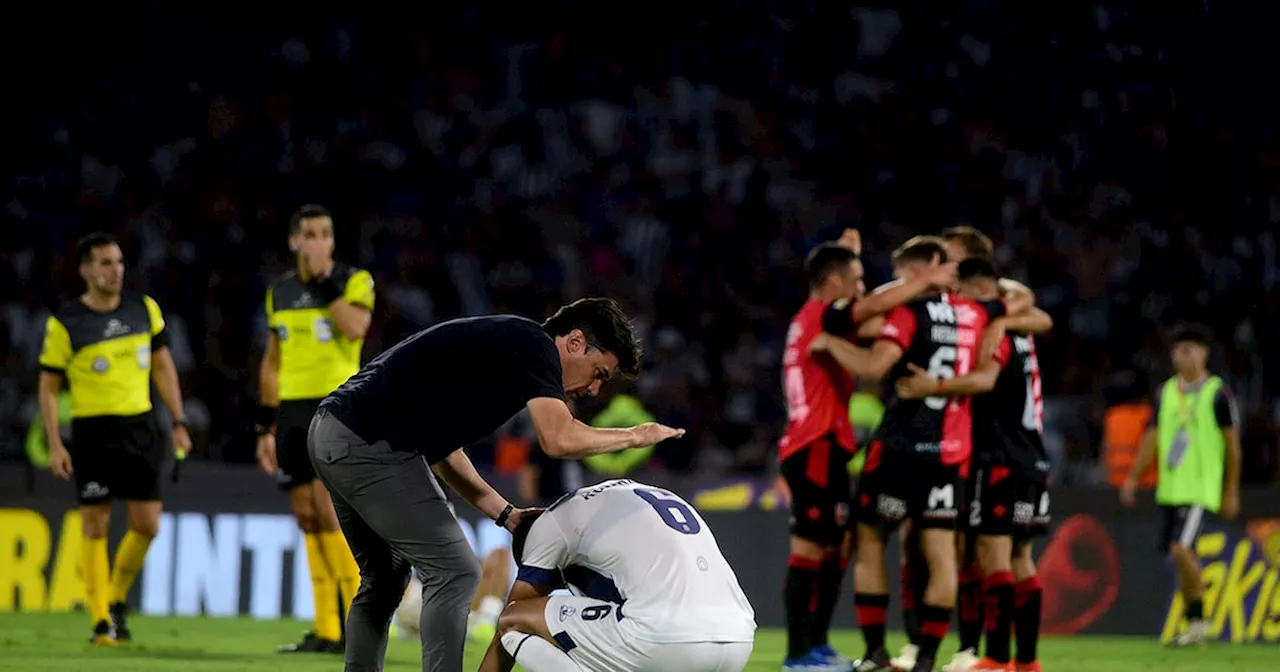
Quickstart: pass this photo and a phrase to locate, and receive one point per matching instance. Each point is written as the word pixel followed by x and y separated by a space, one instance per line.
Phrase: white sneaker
pixel 906 657
pixel 1197 633
pixel 962 661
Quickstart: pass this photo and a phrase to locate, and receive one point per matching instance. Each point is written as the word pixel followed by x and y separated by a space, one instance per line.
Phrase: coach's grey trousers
pixel 394 516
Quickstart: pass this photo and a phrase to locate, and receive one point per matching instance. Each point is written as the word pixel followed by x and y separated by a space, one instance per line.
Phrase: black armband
pixel 837 318
pixel 328 289
pixel 264 421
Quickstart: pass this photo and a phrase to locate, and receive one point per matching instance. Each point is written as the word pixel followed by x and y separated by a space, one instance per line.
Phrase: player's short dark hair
pixel 86 245
pixel 308 211
pixel 825 259
pixel 976 268
pixel 521 534
pixel 920 248
pixel 605 326
pixel 1191 332
pixel 975 242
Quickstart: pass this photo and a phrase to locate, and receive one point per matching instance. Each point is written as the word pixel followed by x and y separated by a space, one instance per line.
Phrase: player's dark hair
pixel 975 242
pixel 521 534
pixel 1192 333
pixel 825 259
pixel 605 326
pixel 976 268
pixel 920 248
pixel 308 211
pixel 86 245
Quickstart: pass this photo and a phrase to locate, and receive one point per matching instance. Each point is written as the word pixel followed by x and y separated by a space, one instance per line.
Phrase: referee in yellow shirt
pixel 317 316
pixel 108 346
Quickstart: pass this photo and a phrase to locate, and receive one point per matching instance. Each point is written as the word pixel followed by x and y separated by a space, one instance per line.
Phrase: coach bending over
pixel 373 439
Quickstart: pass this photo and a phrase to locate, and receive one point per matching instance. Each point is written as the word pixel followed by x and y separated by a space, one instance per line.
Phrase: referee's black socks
pixel 801 595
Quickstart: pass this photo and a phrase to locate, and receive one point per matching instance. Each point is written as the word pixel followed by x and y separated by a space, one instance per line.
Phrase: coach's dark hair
pixel 920 248
pixel 605 326
pixel 976 268
pixel 85 246
pixel 308 211
pixel 975 242
pixel 825 259
pixel 1192 333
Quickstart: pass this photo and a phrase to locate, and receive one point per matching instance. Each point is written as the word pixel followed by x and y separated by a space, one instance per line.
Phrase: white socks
pixel 490 609
pixel 537 654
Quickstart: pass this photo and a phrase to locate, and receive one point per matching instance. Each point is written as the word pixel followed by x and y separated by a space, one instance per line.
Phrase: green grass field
pixel 57 642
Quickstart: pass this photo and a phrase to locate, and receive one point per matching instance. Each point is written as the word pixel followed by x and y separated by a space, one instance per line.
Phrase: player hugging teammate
pixel 818 442
pixel 919 459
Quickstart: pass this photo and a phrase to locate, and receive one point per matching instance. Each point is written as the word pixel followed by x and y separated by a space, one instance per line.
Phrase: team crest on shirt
pixel 100 364
pixel 144 356
pixel 282 332
pixel 323 330
pixel 566 612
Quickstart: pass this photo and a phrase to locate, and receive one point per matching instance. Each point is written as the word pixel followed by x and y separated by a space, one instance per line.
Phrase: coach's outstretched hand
pixel 652 432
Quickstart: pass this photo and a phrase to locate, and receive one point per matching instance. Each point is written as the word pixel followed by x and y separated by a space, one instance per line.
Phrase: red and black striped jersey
pixel 1008 425
pixel 941 334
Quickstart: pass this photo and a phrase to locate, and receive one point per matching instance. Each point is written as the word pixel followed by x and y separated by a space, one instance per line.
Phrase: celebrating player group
pixel 956 466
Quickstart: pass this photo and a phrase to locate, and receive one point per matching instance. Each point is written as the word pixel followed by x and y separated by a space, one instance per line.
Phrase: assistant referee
pixel 317 315
pixel 109 346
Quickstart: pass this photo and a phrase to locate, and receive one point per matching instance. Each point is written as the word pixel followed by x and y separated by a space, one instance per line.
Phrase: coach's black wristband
pixel 264 420
pixel 328 289
pixel 501 520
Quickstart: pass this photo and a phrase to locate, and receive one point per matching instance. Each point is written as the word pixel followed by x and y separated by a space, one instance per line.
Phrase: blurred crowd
pixel 507 158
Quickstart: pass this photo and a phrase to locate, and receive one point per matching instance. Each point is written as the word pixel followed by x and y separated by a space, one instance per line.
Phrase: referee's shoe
pixel 312 644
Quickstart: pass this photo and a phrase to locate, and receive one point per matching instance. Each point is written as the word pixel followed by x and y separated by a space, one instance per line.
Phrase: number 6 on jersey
pixel 675 513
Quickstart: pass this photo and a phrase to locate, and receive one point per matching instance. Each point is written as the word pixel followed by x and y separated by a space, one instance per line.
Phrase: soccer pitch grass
pixel 58 642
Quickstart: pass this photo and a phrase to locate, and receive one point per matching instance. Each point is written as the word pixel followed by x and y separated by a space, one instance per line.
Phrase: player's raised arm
pixel 1012 288
pixel 901 292
pixel 562 435
pixel 1030 321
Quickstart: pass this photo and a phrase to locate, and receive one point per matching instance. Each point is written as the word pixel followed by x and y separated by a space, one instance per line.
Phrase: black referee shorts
pixel 1181 525
pixel 116 457
pixel 293 462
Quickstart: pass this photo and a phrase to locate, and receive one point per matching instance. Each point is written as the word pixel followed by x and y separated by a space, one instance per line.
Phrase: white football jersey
pixel 648 550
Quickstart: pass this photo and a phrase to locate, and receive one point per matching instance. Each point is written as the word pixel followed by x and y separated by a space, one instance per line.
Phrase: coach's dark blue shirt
pixel 451 385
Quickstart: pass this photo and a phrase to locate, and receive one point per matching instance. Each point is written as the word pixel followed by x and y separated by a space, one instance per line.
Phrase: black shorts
pixel 1008 502
pixel 818 477
pixel 116 457
pixel 897 486
pixel 1181 525
pixel 293 462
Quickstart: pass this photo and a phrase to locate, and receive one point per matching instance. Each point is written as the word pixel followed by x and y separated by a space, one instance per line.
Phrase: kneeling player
pixel 651 590
pixel 1010 500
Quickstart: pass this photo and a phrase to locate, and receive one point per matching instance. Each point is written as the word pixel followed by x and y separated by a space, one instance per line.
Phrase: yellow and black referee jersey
pixel 315 358
pixel 105 357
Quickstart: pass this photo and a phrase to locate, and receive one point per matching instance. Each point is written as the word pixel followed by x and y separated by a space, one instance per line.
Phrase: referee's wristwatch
pixel 180 423
pixel 265 421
